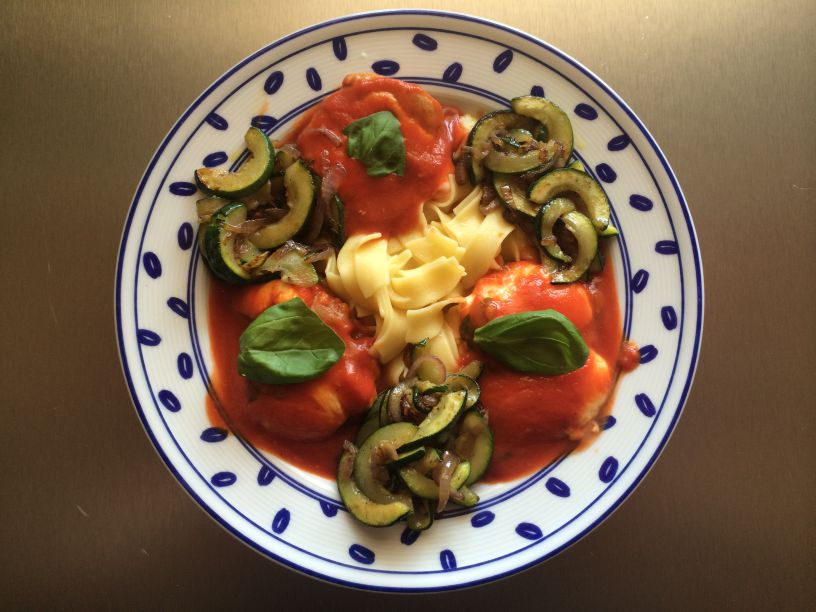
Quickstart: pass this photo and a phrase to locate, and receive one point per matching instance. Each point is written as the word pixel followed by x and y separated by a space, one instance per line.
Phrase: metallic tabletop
pixel 92 518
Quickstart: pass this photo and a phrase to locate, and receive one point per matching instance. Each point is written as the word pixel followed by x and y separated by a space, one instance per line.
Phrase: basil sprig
pixel 288 343
pixel 376 140
pixel 537 342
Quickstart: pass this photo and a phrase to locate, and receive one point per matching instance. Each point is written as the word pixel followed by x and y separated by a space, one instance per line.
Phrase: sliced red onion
pixel 438 370
pixel 384 452
pixel 460 169
pixel 486 209
pixel 406 405
pixel 347 467
pixel 321 255
pixel 324 131
pixel 247 227
pixel 316 222
pixel 449 119
pixel 442 474
pixel 332 176
pixel 367 325
pixel 291 150
pixel 328 310
pixel 457 495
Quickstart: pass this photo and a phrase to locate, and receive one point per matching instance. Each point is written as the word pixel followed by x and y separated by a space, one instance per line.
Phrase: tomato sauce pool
pixel 389 204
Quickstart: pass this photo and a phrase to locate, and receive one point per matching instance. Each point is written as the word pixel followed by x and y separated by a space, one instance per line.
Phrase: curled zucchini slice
pixel 479 137
pixel 440 419
pixel 518 138
pixel 463 382
pixel 289 260
pixel 219 244
pixel 547 216
pixel 301 197
pixel 514 162
pixel 513 193
pixel 361 507
pixel 553 118
pixel 371 422
pixel 566 180
pixel 422 517
pixel 371 461
pixel 586 236
pixel 422 486
pixel 249 177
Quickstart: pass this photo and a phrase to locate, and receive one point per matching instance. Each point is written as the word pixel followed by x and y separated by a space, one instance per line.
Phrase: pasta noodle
pixel 412 283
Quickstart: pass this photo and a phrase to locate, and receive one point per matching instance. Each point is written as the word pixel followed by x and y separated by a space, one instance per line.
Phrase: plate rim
pixel 444 15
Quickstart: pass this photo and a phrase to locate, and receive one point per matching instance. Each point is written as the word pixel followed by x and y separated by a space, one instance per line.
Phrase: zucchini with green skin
pixel 566 180
pixel 361 507
pixel 596 266
pixel 464 497
pixel 553 118
pixel 429 370
pixel 336 217
pixel 517 138
pixel 479 138
pixel 220 244
pixel 581 227
pixel 290 261
pixel 549 214
pixel 513 193
pixel 301 197
pixel 610 231
pixel 249 177
pixel 207 207
pixel 474 443
pixel 371 460
pixel 422 486
pixel 385 417
pixel 440 419
pixel 514 162
pixel 409 456
pixel 473 369
pixel 422 517
pixel 371 421
pixel 422 390
pixel 463 382
pixel 284 158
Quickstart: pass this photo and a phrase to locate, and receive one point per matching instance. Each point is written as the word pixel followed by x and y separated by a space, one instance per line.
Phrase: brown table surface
pixel 92 518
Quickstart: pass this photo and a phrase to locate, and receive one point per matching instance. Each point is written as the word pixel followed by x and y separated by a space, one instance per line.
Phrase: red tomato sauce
pixel 389 204
pixel 305 423
pixel 536 418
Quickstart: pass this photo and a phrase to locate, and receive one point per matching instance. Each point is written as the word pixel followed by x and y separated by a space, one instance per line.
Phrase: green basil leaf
pixel 288 343
pixel 376 140
pixel 537 342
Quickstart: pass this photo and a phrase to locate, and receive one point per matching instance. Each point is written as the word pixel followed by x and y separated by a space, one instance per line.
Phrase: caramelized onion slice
pixel 442 474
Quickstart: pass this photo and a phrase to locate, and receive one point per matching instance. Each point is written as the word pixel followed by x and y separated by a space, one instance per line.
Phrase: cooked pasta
pixel 407 283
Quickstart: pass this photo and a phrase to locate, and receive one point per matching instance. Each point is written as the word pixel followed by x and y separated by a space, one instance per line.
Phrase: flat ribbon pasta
pixel 411 283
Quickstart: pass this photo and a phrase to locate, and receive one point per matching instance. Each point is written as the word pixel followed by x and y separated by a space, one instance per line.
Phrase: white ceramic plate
pixel 294 517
